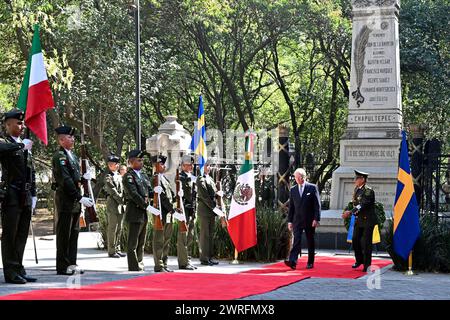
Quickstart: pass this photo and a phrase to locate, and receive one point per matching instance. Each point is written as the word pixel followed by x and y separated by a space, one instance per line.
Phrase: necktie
pixel 301 190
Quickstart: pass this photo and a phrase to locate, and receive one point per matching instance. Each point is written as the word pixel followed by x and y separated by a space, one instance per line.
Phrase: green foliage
pixel 431 251
pixel 379 211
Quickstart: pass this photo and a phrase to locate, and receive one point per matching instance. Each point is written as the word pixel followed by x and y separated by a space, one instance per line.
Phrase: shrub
pixel 432 249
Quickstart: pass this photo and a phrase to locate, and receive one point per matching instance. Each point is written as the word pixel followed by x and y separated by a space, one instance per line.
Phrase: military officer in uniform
pixel 184 239
pixel 206 203
pixel 364 210
pixel 19 197
pixel 138 192
pixel 114 206
pixel 68 200
pixel 161 238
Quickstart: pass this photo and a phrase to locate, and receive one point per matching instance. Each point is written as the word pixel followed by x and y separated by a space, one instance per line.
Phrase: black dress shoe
pixel 66 272
pixel 121 254
pixel 114 255
pixel 365 268
pixel 28 278
pixel 16 280
pixel 213 262
pixel 206 263
pixel 309 266
pixel 356 265
pixel 167 269
pixel 188 267
pixel 290 264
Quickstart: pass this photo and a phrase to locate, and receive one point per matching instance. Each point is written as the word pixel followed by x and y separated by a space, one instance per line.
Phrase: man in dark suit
pixel 304 214
pixel 364 210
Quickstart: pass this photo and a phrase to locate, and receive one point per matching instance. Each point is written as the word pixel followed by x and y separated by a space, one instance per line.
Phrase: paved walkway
pixel 387 284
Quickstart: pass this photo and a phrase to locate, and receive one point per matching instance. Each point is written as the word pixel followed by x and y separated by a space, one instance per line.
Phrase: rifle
pixel 87 187
pixel 180 206
pixel 223 219
pixel 157 223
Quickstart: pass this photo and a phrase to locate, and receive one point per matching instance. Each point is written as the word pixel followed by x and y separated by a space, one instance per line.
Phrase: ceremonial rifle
pixel 180 206
pixel 87 187
pixel 157 223
pixel 220 204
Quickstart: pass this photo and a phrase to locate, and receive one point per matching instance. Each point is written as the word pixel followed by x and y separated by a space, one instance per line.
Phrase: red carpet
pixel 169 286
pixel 324 267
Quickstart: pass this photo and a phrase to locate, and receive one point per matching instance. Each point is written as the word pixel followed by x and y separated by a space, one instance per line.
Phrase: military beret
pixel 14 114
pixel 113 158
pixel 159 158
pixel 136 153
pixel 361 174
pixel 65 130
pixel 187 159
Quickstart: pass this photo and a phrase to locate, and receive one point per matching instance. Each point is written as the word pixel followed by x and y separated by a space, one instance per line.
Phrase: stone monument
pixel 172 141
pixel 372 139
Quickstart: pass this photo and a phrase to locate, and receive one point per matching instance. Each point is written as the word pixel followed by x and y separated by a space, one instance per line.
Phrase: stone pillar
pixel 283 168
pixel 172 141
pixel 371 142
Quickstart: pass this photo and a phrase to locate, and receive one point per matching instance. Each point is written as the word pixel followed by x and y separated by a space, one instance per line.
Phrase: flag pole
pixel 410 272
pixel 235 261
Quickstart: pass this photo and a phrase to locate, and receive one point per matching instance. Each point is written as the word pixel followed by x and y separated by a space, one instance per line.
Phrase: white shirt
pixel 69 153
pixel 138 172
pixel 301 188
pixel 17 139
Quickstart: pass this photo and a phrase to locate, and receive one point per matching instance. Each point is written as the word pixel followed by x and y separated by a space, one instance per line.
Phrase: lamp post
pixel 135 8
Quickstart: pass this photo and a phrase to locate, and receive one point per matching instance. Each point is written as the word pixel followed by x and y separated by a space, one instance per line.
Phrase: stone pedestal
pixel 372 140
pixel 172 141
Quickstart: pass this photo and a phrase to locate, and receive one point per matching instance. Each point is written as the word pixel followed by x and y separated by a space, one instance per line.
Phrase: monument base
pixel 383 180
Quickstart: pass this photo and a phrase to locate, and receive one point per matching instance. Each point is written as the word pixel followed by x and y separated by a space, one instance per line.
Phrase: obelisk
pixel 372 139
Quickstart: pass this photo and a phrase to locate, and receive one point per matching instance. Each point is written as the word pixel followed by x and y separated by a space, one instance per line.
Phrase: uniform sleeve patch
pixel 63 162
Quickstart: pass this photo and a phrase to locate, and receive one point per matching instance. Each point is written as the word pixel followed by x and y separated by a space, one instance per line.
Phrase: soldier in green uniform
pixel 364 210
pixel 184 239
pixel 161 238
pixel 19 197
pixel 115 208
pixel 138 192
pixel 206 203
pixel 68 200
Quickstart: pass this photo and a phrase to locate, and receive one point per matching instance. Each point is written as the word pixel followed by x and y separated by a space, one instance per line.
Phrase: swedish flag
pixel 198 143
pixel 406 209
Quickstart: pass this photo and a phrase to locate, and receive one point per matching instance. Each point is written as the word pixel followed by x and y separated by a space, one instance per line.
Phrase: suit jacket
pixel 16 172
pixel 136 189
pixel 364 199
pixel 66 172
pixel 114 189
pixel 206 196
pixel 303 210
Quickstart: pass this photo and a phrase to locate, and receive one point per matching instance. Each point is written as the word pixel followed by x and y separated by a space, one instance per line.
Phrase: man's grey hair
pixel 301 172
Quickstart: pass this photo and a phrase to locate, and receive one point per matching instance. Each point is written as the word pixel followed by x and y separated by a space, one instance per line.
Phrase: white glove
pixel 33 203
pixel 220 193
pixel 193 178
pixel 87 202
pixel 179 216
pixel 28 144
pixel 217 211
pixel 153 210
pixel 87 175
pixel 158 189
pixel 181 193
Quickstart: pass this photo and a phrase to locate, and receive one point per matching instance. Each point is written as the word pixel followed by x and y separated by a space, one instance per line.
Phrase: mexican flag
pixel 35 95
pixel 242 217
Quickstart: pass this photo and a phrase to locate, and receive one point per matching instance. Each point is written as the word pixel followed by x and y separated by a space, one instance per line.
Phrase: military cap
pixel 159 158
pixel 14 114
pixel 187 159
pixel 136 153
pixel 361 174
pixel 65 130
pixel 113 158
